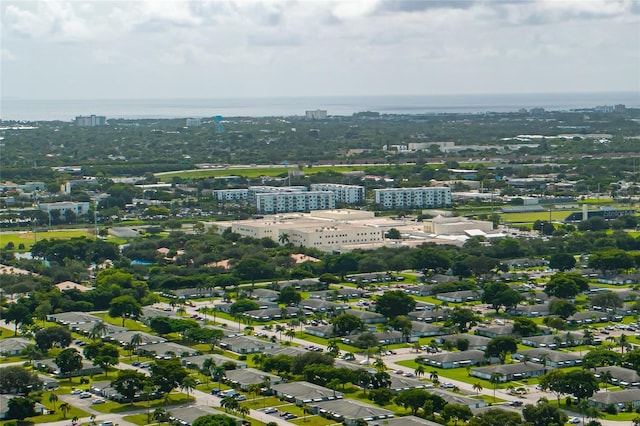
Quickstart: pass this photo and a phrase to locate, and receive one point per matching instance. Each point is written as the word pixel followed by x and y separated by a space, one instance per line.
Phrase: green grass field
pixel 254 172
pixel 27 237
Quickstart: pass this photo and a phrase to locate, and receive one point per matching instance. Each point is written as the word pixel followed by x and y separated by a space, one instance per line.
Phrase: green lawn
pixel 56 417
pixel 139 419
pixel 27 237
pixel 312 421
pixel 128 323
pixel 115 407
pixel 255 172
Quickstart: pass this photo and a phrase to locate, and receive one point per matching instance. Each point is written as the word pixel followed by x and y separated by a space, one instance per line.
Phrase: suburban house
pixel 304 392
pixel 588 317
pixel 124 338
pixel 427 316
pixel 286 350
pixel 167 349
pixel 531 311
pixel 422 329
pixel 453 359
pixel 419 290
pixel 246 376
pixel 185 416
pixel 323 331
pixel 307 284
pixel 317 305
pixel 349 411
pixel 554 359
pixel 511 372
pixel 400 383
pixel 454 398
pixel 405 421
pixel 475 341
pixel 385 338
pixel 86 327
pixel 196 362
pixel 623 377
pixel 264 295
pixel 194 293
pixel 619 399
pixel 553 341
pixel 367 317
pixel 495 331
pixel 4 406
pixel 13 346
pixel 459 296
pixel 271 314
pixel 72 318
pixel 49 366
pixel 246 344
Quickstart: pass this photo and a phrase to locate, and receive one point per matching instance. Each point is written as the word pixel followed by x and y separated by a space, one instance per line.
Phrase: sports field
pixel 255 172
pixel 27 237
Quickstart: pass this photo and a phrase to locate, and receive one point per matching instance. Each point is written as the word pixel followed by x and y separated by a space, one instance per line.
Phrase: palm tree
pixel 280 329
pixel 622 341
pixel 290 333
pixel 433 376
pixel 217 374
pixel 32 353
pixel 305 410
pixel 53 398
pixel 379 365
pixel 65 407
pixel 188 385
pixel 283 238
pixel 419 371
pixel 333 347
pixel 243 410
pixel 477 386
pixel 98 330
pixel 92 419
pixel 605 378
pixel 229 403
pixel 136 340
pixel 495 380
pixel 254 389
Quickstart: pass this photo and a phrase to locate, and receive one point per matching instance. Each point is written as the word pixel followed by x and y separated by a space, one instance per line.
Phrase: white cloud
pixel 282 47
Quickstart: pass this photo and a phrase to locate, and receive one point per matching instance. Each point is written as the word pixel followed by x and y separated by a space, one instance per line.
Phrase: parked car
pixel 290 417
pixel 135 363
pixel 515 404
pixel 85 395
pixel 270 410
pixel 574 420
pixel 98 401
pixel 241 398
pixel 76 392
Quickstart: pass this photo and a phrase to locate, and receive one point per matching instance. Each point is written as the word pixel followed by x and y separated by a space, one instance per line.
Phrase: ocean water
pixel 66 110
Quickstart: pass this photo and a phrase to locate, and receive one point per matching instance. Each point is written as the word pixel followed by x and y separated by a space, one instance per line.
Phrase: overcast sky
pixel 242 48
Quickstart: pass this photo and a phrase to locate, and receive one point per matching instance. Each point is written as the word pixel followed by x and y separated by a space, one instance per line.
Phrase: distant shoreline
pixel 66 110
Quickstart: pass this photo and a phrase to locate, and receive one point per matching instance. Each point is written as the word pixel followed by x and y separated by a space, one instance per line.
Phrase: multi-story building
pixel 327 237
pixel 393 198
pixel 230 194
pixel 301 201
pixel 318 114
pixel 91 120
pixel 80 208
pixel 347 194
pixel 193 122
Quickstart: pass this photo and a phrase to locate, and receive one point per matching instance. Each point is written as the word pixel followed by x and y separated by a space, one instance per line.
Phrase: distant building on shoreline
pixel 318 114
pixel 91 120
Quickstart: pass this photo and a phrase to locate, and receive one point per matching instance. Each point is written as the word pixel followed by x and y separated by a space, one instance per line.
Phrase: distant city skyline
pixel 138 49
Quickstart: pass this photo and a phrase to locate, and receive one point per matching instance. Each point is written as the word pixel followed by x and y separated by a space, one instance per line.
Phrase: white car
pixel 574 420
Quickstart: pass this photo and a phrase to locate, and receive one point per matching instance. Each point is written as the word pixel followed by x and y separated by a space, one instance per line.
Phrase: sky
pixel 295 48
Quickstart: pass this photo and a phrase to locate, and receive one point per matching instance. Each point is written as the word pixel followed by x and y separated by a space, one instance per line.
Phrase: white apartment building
pixel 348 194
pixel 393 198
pixel 328 237
pixel 455 225
pixel 230 194
pixel 91 120
pixel 302 201
pixel 79 208
pixel 318 114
